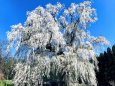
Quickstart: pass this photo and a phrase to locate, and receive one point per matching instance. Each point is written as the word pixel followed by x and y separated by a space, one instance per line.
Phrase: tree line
pixel 106 64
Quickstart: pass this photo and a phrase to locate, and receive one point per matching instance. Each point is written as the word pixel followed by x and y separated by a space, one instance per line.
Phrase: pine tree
pixel 106 67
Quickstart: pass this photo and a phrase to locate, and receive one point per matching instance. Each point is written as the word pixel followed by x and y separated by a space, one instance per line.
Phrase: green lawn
pixel 6 83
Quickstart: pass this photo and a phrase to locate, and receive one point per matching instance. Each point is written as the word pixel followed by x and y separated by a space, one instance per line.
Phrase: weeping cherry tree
pixel 55 45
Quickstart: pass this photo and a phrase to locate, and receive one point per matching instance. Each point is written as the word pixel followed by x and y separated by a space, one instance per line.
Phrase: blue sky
pixel 14 12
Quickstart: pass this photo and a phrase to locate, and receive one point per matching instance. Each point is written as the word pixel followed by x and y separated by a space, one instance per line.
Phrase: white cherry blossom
pixel 48 54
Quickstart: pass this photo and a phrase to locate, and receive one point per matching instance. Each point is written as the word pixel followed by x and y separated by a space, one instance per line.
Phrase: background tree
pixel 55 46
pixel 2 53
pixel 9 64
pixel 106 67
pixel 6 62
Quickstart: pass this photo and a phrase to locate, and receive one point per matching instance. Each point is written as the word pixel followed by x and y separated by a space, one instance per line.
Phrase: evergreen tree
pixel 106 65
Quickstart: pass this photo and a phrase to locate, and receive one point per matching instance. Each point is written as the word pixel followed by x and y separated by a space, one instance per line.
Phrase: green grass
pixel 6 83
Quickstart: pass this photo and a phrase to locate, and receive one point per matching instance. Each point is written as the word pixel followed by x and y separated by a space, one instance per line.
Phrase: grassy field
pixel 6 83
